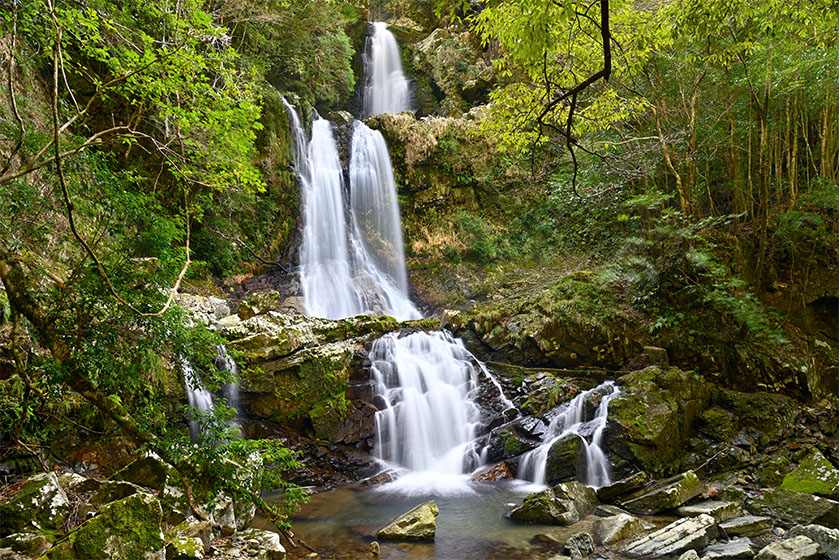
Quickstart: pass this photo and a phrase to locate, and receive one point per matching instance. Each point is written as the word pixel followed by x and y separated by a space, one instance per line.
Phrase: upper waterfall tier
pixel 387 88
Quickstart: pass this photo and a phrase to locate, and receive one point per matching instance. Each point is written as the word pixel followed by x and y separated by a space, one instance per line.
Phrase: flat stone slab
pixel 623 486
pixel 746 526
pixel 721 511
pixel 732 550
pixel 797 548
pixel 665 495
pixel 681 535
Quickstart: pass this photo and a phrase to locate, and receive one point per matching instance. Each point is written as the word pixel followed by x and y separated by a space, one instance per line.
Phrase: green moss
pixel 814 475
pixel 127 529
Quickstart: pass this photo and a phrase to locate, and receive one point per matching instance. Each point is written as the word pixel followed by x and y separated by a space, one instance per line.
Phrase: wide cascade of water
pixel 572 420
pixel 423 384
pixel 387 88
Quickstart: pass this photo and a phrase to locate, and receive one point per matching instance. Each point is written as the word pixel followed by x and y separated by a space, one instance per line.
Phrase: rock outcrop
pixel 563 504
pixel 415 525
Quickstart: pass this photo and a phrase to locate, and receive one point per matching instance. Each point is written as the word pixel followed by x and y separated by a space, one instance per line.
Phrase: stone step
pixel 746 526
pixel 681 535
pixel 721 511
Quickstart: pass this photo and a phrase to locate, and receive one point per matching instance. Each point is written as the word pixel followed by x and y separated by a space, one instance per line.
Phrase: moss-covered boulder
pixel 414 525
pixel 40 504
pixel 770 415
pixel 814 475
pixel 653 418
pixel 185 548
pixel 795 508
pixel 29 544
pixel 128 529
pixel 664 495
pixel 565 459
pixel 563 504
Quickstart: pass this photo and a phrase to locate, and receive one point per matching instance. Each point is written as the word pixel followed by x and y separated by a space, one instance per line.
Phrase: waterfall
pixel 572 420
pixel 423 385
pixel 198 397
pixel 387 88
pixel 328 287
pixel 201 399
pixel 354 268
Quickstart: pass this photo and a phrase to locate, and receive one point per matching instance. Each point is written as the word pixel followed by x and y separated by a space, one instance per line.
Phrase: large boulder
pixel 415 525
pixel 689 533
pixel 797 548
pixel 563 504
pixel 565 459
pixel 655 415
pixel 265 543
pixel 620 487
pixel 823 536
pixel 794 508
pixel 814 475
pixel 664 495
pixel 127 529
pixel 40 504
pixel 579 545
pixel 617 528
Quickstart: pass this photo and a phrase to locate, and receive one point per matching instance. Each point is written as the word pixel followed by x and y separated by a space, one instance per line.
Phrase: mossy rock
pixel 789 508
pixel 771 415
pixel 563 504
pixel 40 504
pixel 655 415
pixel 814 475
pixel 128 529
pixel 718 424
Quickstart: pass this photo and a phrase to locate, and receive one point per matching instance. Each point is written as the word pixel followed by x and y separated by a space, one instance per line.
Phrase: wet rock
pixel 721 511
pixel 797 548
pixel 563 504
pixel 265 543
pixel 30 544
pixel 681 535
pixel 504 443
pixel 731 550
pixel 823 536
pixel 617 528
pixel 128 529
pixel 499 471
pixel 185 548
pixel 794 508
pixel 40 504
pixel 665 495
pixel 746 526
pixel 655 415
pixel 579 545
pixel 565 458
pixel 417 524
pixel 814 475
pixel 621 487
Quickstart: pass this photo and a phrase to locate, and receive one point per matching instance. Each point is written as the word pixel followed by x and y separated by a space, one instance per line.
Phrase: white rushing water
pixel 328 287
pixel 201 399
pixel 424 383
pixel 387 89
pixel 572 420
pixel 349 266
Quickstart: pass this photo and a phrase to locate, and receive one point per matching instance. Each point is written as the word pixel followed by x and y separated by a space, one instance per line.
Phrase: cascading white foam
pixel 376 238
pixel 198 397
pixel 424 383
pixel 388 89
pixel 571 420
pixel 328 287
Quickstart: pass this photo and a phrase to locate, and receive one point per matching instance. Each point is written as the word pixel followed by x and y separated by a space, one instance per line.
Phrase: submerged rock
pixel 564 504
pixel 794 508
pixel 40 504
pixel 688 533
pixel 797 548
pixel 579 545
pixel 417 524
pixel 665 495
